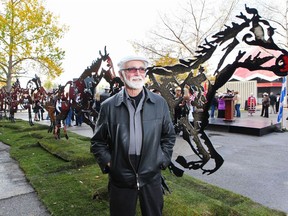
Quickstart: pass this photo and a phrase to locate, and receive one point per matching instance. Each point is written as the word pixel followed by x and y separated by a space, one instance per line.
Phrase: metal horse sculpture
pixel 2 102
pixel 57 119
pixel 12 99
pixel 257 33
pixel 34 92
pixel 85 86
pixel 16 96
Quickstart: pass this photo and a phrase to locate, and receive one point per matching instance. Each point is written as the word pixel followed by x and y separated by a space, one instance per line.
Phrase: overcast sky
pixel 95 24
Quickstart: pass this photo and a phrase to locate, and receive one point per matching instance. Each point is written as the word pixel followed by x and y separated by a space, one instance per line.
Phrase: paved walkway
pixel 17 197
pixel 255 167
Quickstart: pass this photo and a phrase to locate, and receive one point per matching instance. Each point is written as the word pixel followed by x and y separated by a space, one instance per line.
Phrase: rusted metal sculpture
pixel 9 101
pixel 259 34
pixel 12 99
pixel 33 94
pixel 85 86
pixel 100 69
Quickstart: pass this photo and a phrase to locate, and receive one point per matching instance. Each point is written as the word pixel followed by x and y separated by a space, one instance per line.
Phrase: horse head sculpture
pixel 257 33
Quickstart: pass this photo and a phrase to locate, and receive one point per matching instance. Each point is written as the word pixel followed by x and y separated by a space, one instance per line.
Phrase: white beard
pixel 135 82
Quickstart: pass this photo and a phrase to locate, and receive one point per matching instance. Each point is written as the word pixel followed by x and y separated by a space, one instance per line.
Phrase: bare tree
pixel 182 31
pixel 277 14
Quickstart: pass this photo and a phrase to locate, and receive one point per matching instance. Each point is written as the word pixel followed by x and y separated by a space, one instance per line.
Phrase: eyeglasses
pixel 134 70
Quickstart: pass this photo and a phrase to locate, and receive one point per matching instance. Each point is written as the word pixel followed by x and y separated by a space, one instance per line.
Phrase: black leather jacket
pixel 110 142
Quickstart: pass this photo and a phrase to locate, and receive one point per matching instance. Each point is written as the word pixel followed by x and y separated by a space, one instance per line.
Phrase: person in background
pixel 36 109
pixel 41 110
pixel 78 113
pixel 104 95
pixel 188 109
pixel 277 102
pixel 117 86
pixel 265 105
pixel 251 103
pixel 58 106
pixel 221 106
pixel 178 109
pixel 237 103
pixel 133 141
pixel 272 103
pixel 68 120
pixel 96 104
pixel 214 105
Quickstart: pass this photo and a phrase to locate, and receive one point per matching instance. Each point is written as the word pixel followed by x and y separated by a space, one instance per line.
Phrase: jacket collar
pixel 120 97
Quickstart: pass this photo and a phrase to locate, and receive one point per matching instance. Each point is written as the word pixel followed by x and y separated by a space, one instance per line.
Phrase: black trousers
pixel 123 201
pixel 265 111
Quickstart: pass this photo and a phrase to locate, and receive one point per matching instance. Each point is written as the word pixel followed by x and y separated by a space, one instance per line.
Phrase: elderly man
pixel 133 141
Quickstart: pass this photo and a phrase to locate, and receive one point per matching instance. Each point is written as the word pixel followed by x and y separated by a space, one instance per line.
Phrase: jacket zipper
pixel 137 176
pixel 137 182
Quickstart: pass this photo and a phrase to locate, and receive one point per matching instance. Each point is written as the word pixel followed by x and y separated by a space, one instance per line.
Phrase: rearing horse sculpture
pixel 258 33
pixel 85 86
pixel 87 83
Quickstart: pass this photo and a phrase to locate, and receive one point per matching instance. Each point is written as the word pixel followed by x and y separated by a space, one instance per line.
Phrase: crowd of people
pixel 74 116
pixel 269 104
pixel 218 104
pixel 38 108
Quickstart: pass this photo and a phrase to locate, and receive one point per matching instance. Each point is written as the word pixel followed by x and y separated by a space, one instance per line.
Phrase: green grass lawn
pixel 68 181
